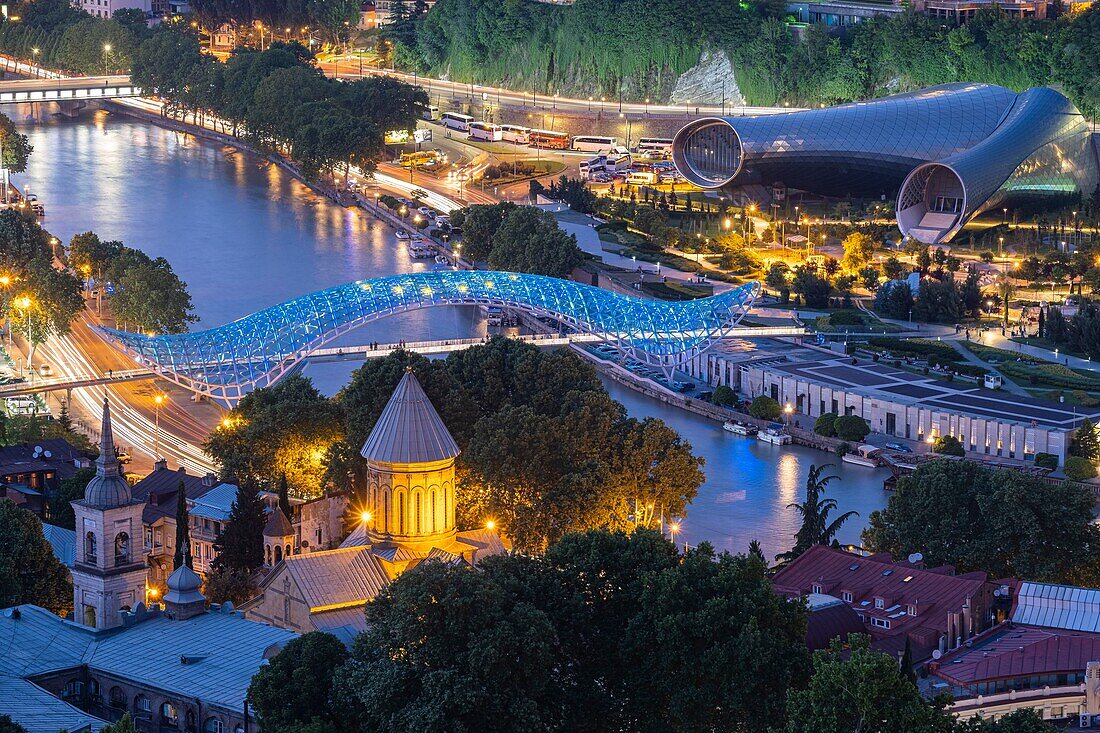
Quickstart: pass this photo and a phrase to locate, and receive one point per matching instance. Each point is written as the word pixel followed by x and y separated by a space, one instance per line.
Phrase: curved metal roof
pixel 409 430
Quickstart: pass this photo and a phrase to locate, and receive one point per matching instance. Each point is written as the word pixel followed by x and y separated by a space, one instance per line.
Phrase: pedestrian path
pixel 970 357
pixel 995 339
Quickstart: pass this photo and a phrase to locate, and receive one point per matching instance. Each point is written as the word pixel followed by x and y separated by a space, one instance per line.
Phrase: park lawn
pixel 1048 374
pixel 851 319
pixel 991 354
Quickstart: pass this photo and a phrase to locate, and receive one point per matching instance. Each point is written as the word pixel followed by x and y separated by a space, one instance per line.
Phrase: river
pixel 244 235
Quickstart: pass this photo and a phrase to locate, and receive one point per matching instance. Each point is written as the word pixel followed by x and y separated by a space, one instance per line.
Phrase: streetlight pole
pixel 157 400
pixel 106 51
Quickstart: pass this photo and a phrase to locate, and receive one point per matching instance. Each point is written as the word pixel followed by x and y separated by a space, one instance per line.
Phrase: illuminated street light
pixel 490 524
pixel 365 517
pixel 158 400
pixel 106 51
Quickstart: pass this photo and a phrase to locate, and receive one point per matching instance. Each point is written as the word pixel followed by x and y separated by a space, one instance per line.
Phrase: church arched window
pixel 386 510
pixel 89 548
pixel 431 511
pixel 118 698
pixel 122 548
pixel 401 513
pixel 419 525
pixel 278 553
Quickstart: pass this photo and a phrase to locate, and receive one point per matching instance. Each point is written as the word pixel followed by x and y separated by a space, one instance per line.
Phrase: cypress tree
pixel 907 662
pixel 241 543
pixel 284 497
pixel 183 535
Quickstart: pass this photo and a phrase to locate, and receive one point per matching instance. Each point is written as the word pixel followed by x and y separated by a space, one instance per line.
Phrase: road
pixel 350 68
pixel 183 425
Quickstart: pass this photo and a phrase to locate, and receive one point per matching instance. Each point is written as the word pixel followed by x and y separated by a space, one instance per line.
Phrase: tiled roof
pixel 409 429
pixel 63 457
pixel 1008 651
pixel 63 542
pixel 336 577
pixel 343 623
pixel 899 585
pixel 829 621
pixel 1058 606
pixel 486 541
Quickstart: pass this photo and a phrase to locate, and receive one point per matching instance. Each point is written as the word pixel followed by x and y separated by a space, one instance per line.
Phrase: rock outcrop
pixel 709 82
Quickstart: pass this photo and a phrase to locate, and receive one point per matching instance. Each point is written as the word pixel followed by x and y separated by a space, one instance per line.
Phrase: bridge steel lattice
pixel 256 351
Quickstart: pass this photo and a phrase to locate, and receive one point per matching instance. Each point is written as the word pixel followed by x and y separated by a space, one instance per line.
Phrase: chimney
pixel 161 464
pixel 209 480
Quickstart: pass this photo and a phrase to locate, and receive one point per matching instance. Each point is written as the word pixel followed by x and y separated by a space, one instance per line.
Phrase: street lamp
pixel 158 400
pixel 24 304
pixel 106 51
pixel 673 528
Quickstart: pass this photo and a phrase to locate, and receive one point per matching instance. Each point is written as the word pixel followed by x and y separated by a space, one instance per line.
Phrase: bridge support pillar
pixel 68 397
pixel 71 108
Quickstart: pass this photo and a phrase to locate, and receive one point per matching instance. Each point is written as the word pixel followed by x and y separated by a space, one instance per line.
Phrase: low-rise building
pixel 1045 657
pixel 933 609
pixel 31 472
pixel 107 8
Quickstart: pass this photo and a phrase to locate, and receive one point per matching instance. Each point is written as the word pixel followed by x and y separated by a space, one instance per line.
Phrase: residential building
pixel 108 574
pixel 107 8
pixel 31 472
pixel 933 610
pixel 383 9
pixel 1045 657
pixel 409 517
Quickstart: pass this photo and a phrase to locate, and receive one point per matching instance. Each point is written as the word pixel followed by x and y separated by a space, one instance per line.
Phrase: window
pixel 73 690
pixel 278 553
pixel 815 588
pixel 846 596
pixel 90 548
pixel 879 603
pixel 881 623
pixel 142 707
pixel 168 714
pixel 122 548
pixel 93 689
pixel 213 725
pixel 118 698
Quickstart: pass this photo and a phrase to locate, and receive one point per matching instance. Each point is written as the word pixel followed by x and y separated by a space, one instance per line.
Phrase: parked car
pixel 899 447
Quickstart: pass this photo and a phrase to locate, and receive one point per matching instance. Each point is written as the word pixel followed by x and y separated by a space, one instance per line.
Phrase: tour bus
pixel 455 121
pixel 654 144
pixel 549 139
pixel 515 134
pixel 593 165
pixel 641 178
pixel 593 143
pixel 616 162
pixel 425 158
pixel 431 112
pixel 485 132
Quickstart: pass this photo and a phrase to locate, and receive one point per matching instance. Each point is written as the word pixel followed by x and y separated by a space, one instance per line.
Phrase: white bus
pixel 593 143
pixel 485 132
pixel 616 162
pixel 455 121
pixel 642 178
pixel 593 165
pixel 515 134
pixel 658 144
pixel 431 112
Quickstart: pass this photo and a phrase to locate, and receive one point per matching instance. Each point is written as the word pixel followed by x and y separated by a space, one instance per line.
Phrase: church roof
pixel 335 578
pixel 277 524
pixel 183 586
pixel 409 429
pixel 107 488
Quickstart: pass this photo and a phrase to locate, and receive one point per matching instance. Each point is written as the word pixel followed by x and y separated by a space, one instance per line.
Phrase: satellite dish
pixel 38 449
pixel 915 558
pixel 936 654
pixel 48 454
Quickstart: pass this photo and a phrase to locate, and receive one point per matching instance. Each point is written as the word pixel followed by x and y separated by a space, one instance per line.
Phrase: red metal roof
pixel 1009 650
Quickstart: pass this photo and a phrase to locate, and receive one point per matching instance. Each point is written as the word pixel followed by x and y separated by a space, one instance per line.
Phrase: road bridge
pixel 50 87
pixel 57 384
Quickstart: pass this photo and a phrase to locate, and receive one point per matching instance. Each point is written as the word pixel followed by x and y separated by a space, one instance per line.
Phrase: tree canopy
pixel 293 690
pixel 1001 521
pixel 518 239
pixel 240 546
pixel 29 570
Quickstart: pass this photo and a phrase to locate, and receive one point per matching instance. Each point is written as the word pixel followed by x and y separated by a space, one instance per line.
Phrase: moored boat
pixel 739 428
pixel 773 436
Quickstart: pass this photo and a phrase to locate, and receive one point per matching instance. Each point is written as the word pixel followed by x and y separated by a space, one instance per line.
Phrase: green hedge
pixel 1046 460
pixel 1079 469
pixel 915 347
pixel 1054 375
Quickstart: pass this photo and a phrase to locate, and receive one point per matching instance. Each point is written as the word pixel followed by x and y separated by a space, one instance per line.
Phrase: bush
pixel 846 318
pixel 1079 469
pixel 851 427
pixel 723 395
pixel 915 347
pixel 948 445
pixel 825 425
pixel 765 408
pixel 1046 460
pixel 843 449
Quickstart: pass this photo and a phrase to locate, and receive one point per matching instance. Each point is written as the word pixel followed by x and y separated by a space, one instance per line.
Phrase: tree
pixel 1085 442
pixel 856 689
pixel 284 497
pixel 894 300
pixel 183 535
pixel 29 570
pixel 763 407
pixel 59 506
pixel 1079 469
pixel 859 248
pixel 814 289
pixel 293 689
pixel 530 240
pixel 287 429
pixel 150 297
pixel 948 445
pixel 851 427
pixel 892 268
pixel 777 278
pixel 14 146
pixel 869 276
pixel 825 424
pixel 816 528
pixel 7 725
pixel 939 301
pixel 240 546
pixel 723 395
pixel 1023 720
pixel 124 725
pixel 228 585
pixel 999 521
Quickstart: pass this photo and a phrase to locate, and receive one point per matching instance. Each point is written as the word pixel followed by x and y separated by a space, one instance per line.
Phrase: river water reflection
pixel 244 236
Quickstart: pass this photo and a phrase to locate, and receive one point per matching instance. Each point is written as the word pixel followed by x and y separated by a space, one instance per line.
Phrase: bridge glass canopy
pixel 255 351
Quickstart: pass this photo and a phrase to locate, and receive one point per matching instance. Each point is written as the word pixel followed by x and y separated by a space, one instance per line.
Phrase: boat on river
pixel 863 455
pixel 775 436
pixel 739 428
pixel 402 235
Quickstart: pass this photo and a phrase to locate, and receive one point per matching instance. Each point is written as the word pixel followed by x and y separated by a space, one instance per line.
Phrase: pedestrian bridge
pixel 227 362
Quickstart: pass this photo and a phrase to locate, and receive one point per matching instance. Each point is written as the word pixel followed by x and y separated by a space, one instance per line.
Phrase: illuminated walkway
pixel 256 351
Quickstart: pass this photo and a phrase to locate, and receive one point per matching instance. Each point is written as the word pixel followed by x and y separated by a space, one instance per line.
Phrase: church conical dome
pixel 409 430
pixel 108 488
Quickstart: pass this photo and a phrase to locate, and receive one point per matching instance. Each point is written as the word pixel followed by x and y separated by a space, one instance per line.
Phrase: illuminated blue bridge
pixel 256 351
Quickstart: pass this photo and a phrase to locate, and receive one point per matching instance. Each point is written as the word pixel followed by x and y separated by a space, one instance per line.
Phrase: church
pixel 409 517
